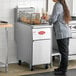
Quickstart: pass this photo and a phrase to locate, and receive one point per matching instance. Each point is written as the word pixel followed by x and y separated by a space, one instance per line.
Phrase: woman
pixel 60 19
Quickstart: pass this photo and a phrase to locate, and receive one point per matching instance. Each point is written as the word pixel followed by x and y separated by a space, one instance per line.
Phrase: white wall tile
pixel 7 14
pixel 74 7
pixel 37 4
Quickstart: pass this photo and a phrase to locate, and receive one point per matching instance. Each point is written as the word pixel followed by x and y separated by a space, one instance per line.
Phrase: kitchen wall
pixel 50 6
pixel 39 5
pixel 7 14
pixel 70 5
pixel 74 7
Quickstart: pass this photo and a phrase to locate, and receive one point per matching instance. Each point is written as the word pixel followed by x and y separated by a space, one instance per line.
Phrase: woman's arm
pixel 56 11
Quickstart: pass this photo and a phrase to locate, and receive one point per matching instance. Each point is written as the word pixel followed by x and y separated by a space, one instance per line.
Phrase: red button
pixel 41 32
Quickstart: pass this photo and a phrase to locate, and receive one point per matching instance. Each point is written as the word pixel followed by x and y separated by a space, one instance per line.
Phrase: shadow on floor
pixel 69 73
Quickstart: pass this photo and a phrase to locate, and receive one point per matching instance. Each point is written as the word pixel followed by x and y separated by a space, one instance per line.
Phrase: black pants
pixel 63 49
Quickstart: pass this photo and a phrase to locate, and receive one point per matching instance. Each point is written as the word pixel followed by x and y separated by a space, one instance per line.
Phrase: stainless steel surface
pixel 6 64
pixel 33 52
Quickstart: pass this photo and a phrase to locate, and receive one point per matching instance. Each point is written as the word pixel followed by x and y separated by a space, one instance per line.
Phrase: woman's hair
pixel 67 16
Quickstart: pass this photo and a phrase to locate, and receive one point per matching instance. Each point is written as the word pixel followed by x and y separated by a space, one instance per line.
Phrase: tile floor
pixel 16 70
